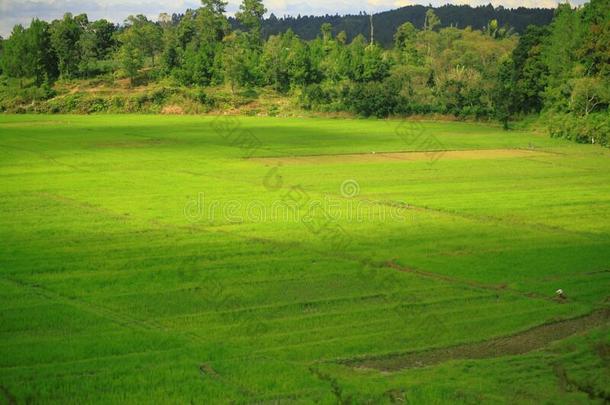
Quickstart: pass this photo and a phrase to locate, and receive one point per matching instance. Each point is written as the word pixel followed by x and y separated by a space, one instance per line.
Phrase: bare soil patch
pixel 520 343
pixel 172 109
pixel 376 157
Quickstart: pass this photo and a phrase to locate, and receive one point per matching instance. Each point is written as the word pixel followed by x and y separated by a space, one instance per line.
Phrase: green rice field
pixel 188 259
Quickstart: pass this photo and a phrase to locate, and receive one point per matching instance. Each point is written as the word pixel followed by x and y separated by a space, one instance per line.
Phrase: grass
pixel 150 258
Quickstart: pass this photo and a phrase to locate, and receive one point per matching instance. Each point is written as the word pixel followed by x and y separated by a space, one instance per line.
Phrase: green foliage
pixel 144 35
pixel 530 72
pixel 131 57
pixel 432 21
pixel 28 53
pixel 193 50
pixel 65 37
pixel 372 99
pixel 467 73
pixel 374 65
pixel 503 101
pixel 321 97
pixel 562 69
pixel 250 15
pixel 593 128
pixel 594 48
pixel 387 22
pixel 170 57
pixel 494 30
pixel 589 93
pixel 238 61
pixel 15 54
pixel 286 62
pixel 210 23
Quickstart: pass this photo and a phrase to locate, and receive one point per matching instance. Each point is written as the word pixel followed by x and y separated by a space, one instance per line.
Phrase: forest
pixel 557 73
pixel 386 22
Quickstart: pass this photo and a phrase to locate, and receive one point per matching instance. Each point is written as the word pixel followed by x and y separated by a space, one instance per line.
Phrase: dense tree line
pixel 387 22
pixel 557 69
pixel 563 70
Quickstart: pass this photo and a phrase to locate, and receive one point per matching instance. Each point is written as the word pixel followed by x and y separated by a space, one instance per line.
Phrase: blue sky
pixel 22 11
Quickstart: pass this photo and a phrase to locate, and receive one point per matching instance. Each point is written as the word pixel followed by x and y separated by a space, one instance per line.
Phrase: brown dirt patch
pixel 376 157
pixel 520 343
pixel 172 109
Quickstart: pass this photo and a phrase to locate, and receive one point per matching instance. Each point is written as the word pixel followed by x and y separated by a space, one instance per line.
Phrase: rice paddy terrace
pixel 272 260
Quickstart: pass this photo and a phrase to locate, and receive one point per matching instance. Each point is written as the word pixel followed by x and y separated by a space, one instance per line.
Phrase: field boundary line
pixel 123 320
pixel 471 283
pixel 401 151
pixel 119 318
pixel 484 218
pixel 285 245
pixel 45 157
pixel 522 342
pixel 363 261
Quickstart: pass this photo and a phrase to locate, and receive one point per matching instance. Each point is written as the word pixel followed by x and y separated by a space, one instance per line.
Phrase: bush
pixel 592 128
pixel 314 96
pixel 273 111
pixel 372 99
pixel 97 105
pixel 203 98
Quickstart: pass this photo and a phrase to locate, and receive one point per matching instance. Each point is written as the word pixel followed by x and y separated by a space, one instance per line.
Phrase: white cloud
pixel 23 11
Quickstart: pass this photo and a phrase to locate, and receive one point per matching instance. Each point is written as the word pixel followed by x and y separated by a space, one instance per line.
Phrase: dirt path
pixel 377 157
pixel 520 343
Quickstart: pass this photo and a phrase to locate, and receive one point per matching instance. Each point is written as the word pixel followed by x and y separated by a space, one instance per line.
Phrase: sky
pixel 22 11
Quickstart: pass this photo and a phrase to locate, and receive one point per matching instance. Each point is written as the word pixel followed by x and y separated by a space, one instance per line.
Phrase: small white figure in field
pixel 560 293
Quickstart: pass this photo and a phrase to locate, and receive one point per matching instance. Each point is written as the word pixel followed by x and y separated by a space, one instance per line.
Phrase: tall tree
pixel 42 59
pixel 211 22
pixel 375 66
pixel 502 97
pixel 559 56
pixel 235 61
pixel 15 59
pixel 404 43
pixel 529 71
pixel 327 32
pixel 170 58
pixel 103 32
pixel 65 35
pixel 432 21
pixel 250 15
pixel 146 34
pixel 131 57
pixel 594 50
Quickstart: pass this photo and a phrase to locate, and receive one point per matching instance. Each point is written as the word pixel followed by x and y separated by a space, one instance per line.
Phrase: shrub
pixel 97 105
pixel 592 128
pixel 372 99
pixel 314 96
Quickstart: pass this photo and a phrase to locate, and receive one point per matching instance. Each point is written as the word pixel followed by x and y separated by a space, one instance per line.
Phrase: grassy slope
pixel 110 292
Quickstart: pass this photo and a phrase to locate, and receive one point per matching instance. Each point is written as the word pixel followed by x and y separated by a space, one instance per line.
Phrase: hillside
pixel 386 23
